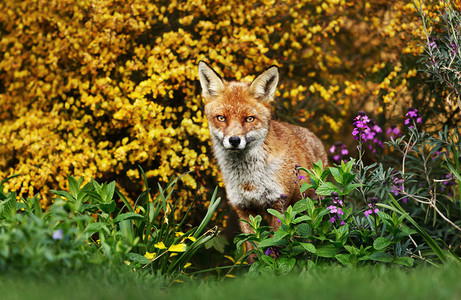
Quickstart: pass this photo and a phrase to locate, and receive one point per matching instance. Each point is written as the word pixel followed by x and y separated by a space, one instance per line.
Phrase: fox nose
pixel 234 141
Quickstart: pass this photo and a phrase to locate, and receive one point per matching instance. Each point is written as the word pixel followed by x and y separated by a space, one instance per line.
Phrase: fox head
pixel 238 112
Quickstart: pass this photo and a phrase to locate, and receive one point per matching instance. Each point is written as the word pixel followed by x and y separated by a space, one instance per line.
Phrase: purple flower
pixel 301 177
pixel 273 251
pixel 433 44
pixel 57 234
pixel 339 152
pixel 366 129
pixel 372 207
pixel 393 131
pixel 412 117
pixel 335 210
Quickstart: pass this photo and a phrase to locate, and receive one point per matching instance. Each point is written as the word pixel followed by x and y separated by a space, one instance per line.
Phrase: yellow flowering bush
pixel 95 88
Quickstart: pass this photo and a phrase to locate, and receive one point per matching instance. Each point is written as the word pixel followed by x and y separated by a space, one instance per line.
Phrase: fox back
pixel 256 155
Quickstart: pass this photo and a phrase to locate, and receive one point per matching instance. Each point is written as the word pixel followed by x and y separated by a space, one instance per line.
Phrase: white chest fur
pixel 250 180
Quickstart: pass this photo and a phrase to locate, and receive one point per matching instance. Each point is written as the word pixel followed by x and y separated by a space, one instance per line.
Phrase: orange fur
pixel 256 155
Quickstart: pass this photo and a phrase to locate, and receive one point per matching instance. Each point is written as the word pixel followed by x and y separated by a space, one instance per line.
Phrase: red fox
pixel 256 155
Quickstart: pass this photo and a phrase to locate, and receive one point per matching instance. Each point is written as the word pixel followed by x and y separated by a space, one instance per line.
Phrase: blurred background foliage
pixel 95 88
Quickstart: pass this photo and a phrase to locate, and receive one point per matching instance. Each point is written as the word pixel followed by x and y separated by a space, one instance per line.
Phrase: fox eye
pixel 249 119
pixel 221 118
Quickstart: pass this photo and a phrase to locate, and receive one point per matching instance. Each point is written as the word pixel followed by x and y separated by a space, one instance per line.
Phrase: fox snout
pixel 234 142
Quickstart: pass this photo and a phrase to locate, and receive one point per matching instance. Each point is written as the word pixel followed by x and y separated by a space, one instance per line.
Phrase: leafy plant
pixel 322 231
pixel 85 226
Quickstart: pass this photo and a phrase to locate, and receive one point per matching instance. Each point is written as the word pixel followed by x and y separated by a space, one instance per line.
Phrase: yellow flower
pixel 230 258
pixel 150 255
pixel 160 245
pixel 178 248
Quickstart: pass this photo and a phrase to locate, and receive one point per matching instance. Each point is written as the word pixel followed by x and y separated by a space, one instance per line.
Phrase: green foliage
pixel 442 51
pixel 84 226
pixel 313 233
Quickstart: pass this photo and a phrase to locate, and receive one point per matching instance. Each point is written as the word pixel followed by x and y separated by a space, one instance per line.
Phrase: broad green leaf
pixel 301 206
pixel 381 243
pixel 327 251
pixel 327 188
pixel 285 264
pixel 405 260
pixel 352 250
pixel 381 256
pixel 275 213
pixel 304 230
pixel 345 259
pixel 305 186
pixel 336 175
pixel 301 219
pixel 73 186
pixel 309 247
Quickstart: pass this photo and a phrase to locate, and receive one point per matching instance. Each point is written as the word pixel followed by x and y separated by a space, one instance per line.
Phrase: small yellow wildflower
pixel 150 255
pixel 160 245
pixel 178 248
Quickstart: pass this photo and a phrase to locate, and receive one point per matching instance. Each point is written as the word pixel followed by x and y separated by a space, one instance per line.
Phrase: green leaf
pixel 92 228
pixel 406 261
pixel 301 219
pixel 309 247
pixel 64 194
pixel 304 230
pixel 285 264
pixel 345 259
pixel 268 260
pixel 429 240
pixel 383 215
pixel 327 188
pixel 73 186
pixel 352 250
pixel 381 243
pixel 328 251
pixel 381 256
pixel 107 207
pixel 336 175
pixel 8 206
pixel 301 206
pixel 351 187
pixel 138 258
pixel 127 216
pixel 110 190
pixel 275 213
pixel 305 186
pixel 347 178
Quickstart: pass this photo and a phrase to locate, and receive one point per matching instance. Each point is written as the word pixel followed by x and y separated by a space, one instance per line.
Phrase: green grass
pixel 322 283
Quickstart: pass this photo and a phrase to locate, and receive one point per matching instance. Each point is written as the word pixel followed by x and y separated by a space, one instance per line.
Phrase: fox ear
pixel 263 87
pixel 211 82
